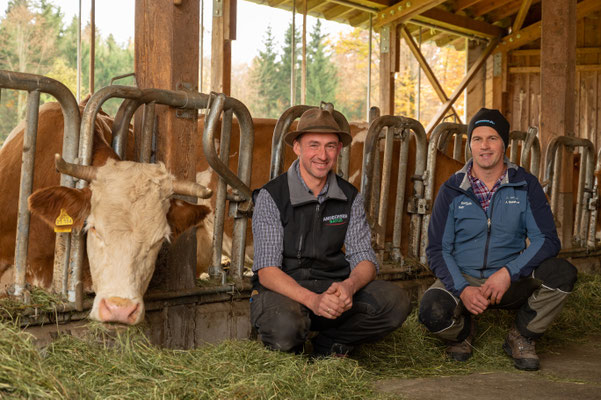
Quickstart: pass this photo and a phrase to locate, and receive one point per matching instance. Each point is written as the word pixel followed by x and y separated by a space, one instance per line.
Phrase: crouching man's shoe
pixel 522 350
pixel 462 351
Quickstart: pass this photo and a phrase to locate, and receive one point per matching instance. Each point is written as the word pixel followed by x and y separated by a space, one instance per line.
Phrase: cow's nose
pixel 118 309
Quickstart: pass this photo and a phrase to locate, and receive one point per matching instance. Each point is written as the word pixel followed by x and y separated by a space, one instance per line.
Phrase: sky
pixel 250 33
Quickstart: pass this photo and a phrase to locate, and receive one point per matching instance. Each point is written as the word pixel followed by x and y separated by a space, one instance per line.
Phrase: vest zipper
pixel 315 225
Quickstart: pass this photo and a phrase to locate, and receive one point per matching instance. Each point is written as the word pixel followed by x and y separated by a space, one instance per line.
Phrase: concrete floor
pixel 572 372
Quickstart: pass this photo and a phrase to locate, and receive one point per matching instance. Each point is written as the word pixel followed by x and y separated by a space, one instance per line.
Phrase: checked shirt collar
pixel 481 191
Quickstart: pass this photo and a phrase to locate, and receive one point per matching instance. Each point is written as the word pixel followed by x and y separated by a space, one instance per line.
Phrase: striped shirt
pixel 268 232
pixel 481 191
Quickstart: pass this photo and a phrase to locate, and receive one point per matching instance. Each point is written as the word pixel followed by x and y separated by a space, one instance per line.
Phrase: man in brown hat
pixel 303 279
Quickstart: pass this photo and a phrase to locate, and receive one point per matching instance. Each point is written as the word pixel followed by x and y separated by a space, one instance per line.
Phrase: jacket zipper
pixel 488 229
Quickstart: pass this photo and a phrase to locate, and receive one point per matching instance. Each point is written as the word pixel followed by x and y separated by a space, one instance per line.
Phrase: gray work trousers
pixel 284 324
pixel 538 298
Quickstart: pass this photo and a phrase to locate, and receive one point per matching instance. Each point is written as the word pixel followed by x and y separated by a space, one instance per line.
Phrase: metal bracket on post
pixel 217 8
pixel 183 112
pixel 497 64
pixel 385 39
pixel 418 206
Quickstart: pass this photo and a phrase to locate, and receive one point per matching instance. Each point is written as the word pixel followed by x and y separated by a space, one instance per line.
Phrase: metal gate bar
pixel 553 166
pixel 36 84
pixel 416 205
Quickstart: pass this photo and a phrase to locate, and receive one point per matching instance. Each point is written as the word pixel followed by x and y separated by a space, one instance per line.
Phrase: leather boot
pixel 522 350
pixel 462 351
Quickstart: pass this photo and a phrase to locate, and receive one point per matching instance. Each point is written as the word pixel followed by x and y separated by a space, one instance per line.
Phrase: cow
pixel 127 212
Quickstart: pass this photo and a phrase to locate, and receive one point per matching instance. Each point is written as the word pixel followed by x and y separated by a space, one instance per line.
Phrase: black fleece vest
pixel 313 233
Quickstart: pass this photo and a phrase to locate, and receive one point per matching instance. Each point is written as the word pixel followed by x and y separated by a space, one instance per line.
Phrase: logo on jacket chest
pixel 338 219
pixel 463 204
pixel 512 200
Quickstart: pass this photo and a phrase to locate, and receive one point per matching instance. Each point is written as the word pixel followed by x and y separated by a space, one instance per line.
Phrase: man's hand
pixel 496 285
pixel 345 292
pixel 327 304
pixel 473 300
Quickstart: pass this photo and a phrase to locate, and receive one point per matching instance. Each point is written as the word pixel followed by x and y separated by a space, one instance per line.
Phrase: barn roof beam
pixel 442 110
pixel 336 12
pixel 357 6
pixel 533 32
pixel 519 19
pixel 427 70
pixel 536 52
pixel 463 4
pixel 487 6
pixel 458 24
pixel 404 11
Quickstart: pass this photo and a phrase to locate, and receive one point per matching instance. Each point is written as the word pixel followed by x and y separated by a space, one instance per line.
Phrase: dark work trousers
pixel 284 324
pixel 538 298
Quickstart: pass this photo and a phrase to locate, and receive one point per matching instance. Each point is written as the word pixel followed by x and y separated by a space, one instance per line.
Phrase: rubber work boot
pixel 522 350
pixel 462 351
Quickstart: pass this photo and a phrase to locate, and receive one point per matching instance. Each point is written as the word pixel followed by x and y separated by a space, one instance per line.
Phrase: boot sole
pixel 523 364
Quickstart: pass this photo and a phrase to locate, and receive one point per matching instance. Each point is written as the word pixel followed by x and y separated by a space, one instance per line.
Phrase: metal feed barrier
pixel 34 85
pixel 282 126
pixel 584 225
pixel 375 185
pixel 219 106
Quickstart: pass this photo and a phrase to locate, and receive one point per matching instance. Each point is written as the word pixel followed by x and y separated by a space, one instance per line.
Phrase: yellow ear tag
pixel 63 223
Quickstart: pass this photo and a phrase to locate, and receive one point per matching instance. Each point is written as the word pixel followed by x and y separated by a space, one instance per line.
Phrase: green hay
pixel 121 364
pixel 413 352
pixel 41 301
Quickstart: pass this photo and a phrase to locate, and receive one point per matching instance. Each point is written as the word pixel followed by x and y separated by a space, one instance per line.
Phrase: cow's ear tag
pixel 64 223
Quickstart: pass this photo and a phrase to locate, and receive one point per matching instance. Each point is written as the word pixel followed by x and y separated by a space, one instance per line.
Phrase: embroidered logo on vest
pixel 338 219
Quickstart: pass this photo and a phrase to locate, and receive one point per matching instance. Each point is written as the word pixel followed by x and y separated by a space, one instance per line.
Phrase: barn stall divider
pixel 584 226
pixel 375 185
pixel 34 85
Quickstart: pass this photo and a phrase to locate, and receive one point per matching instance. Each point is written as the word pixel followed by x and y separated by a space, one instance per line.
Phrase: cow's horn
pixel 84 172
pixel 188 188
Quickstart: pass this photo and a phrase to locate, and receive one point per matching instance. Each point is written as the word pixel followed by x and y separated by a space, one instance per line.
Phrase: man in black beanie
pixel 477 249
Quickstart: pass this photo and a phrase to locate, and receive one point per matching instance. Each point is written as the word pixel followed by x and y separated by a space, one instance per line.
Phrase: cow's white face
pixel 126 227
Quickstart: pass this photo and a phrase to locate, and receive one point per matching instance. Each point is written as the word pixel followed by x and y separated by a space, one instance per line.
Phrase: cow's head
pixel 128 212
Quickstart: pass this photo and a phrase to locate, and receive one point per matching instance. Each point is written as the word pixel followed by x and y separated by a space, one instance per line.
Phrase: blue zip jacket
pixel 464 239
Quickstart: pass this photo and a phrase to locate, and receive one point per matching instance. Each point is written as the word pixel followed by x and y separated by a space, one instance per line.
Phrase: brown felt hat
pixel 318 120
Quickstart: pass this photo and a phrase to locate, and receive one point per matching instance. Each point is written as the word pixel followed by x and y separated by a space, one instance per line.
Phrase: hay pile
pixel 128 367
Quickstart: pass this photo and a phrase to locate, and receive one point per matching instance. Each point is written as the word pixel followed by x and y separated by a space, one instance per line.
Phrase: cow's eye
pixel 94 232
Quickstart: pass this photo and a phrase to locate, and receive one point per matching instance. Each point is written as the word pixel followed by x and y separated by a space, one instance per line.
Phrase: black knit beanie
pixel 492 118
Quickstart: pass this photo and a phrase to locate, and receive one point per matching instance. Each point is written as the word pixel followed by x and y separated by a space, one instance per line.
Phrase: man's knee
pixel 391 302
pixel 436 309
pixel 283 331
pixel 557 273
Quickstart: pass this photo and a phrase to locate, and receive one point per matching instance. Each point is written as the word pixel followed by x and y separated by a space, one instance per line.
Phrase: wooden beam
pixel 558 77
pixel 404 11
pixel 458 23
pixel 313 4
pixel 533 32
pixel 536 52
pixel 224 31
pixel 487 6
pixel 463 4
pixel 427 70
pixel 519 19
pixel 536 70
pixel 475 91
pixel 442 110
pixel 359 19
pixel 389 64
pixel 335 11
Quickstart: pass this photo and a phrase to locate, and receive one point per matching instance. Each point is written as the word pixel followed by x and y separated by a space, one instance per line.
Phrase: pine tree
pixel 321 71
pixel 265 76
pixel 284 70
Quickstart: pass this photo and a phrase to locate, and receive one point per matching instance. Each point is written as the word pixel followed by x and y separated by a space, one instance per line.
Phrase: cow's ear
pixel 183 215
pixel 47 204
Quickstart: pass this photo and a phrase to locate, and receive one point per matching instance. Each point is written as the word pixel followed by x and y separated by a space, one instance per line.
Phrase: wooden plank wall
pixel 524 87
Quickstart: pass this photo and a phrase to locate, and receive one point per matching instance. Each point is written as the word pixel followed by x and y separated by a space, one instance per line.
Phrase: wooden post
pixel 166 57
pixel 303 95
pixel 475 97
pixel 389 64
pixel 558 71
pixel 224 31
